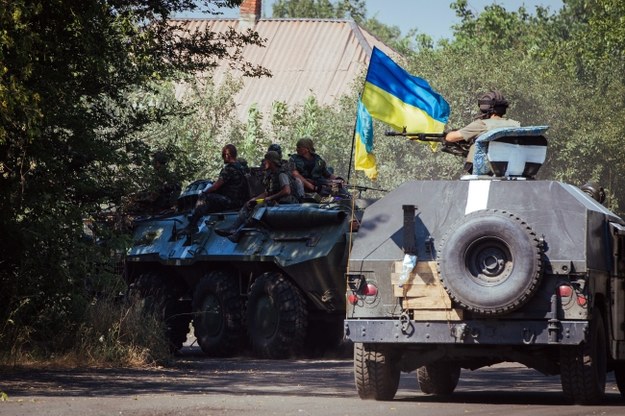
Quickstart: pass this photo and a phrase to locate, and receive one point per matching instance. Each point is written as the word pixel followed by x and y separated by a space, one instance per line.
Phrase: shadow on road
pixel 193 373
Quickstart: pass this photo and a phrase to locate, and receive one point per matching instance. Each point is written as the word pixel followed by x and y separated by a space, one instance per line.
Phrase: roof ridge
pixel 264 19
pixel 360 37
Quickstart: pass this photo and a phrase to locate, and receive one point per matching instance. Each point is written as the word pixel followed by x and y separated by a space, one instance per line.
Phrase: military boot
pixel 234 228
pixel 191 228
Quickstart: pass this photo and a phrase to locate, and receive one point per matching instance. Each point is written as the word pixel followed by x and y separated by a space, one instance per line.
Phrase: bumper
pixel 482 332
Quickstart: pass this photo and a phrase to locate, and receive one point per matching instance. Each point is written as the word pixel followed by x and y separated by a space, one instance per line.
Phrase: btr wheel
pixel 439 378
pixel 583 367
pixel 491 263
pixel 218 315
pixel 162 300
pixel 376 371
pixel 277 317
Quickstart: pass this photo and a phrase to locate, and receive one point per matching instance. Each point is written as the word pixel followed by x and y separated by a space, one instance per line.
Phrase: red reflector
pixel 565 291
pixel 581 300
pixel 353 299
pixel 370 290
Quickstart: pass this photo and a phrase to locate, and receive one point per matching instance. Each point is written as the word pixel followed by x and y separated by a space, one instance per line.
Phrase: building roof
pixel 319 57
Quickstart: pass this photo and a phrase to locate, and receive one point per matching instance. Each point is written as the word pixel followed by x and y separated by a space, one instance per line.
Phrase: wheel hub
pixel 489 261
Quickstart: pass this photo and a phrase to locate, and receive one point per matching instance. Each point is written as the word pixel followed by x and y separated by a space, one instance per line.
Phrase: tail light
pixel 370 290
pixel 567 293
pixel 360 288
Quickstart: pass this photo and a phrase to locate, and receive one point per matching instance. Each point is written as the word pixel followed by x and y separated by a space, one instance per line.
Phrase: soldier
pixel 309 167
pixel 229 192
pixel 275 147
pixel 595 191
pixel 288 165
pixel 493 106
pixel 280 188
pixel 279 184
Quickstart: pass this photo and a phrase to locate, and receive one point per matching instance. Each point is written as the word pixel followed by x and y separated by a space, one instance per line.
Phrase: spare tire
pixel 491 262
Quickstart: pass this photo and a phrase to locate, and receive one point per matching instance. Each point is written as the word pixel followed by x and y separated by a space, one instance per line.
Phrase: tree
pixel 551 72
pixel 321 9
pixel 73 79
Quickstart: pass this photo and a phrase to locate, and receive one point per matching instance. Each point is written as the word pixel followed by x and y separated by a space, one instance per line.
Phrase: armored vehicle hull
pixel 451 275
pixel 278 289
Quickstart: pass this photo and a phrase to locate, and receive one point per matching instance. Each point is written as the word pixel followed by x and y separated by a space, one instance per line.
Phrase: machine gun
pixel 454 148
pixel 360 189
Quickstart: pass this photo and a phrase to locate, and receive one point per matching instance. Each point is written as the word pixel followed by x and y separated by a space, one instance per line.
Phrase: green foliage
pixel 78 88
pixel 322 9
pixel 551 72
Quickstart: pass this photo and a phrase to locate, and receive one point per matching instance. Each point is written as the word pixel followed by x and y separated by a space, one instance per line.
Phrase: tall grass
pixel 121 333
pixel 114 333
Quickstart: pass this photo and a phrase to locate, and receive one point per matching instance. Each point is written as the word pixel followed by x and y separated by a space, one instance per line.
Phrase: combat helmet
pixel 493 102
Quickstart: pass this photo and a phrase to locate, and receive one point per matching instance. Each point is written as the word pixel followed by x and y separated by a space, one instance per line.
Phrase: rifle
pixel 454 148
pixel 360 189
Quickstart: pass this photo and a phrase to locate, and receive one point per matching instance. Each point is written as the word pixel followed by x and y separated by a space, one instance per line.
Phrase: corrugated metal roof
pixel 319 57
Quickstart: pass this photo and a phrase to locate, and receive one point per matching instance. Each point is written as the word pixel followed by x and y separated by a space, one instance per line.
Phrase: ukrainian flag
pixel 364 158
pixel 402 100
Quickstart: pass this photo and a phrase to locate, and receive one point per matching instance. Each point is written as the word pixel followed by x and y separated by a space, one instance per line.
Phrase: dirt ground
pixel 198 385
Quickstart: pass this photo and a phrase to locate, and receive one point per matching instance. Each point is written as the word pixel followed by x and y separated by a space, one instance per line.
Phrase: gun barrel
pixel 365 188
pixel 428 137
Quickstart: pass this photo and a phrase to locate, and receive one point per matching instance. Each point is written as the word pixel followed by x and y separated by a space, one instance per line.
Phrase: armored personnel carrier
pixel 278 290
pixel 499 267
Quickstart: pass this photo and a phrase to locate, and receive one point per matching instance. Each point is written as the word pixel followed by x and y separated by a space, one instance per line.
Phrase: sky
pixel 435 18
pixel 432 17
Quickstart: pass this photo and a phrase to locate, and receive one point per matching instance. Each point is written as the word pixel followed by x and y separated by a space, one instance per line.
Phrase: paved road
pixel 196 385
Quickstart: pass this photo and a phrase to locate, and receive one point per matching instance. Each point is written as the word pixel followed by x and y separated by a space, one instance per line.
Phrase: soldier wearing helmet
pixel 493 106
pixel 309 167
pixel 595 191
pixel 279 184
pixel 280 188
pixel 275 147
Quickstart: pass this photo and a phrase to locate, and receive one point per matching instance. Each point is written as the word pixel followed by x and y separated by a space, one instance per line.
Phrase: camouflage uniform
pixel 232 194
pixel 274 181
pixel 473 130
pixel 315 170
pixel 235 183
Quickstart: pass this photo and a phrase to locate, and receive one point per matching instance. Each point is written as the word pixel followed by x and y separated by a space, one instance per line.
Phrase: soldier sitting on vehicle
pixel 280 188
pixel 493 106
pixel 230 191
pixel 311 169
pixel 288 164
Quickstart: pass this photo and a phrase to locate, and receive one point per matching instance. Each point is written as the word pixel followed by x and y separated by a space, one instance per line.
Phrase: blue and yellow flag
pixel 402 100
pixel 364 157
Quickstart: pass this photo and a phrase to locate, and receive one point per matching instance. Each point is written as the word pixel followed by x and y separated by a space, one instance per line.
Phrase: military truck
pixel 278 290
pixel 495 267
